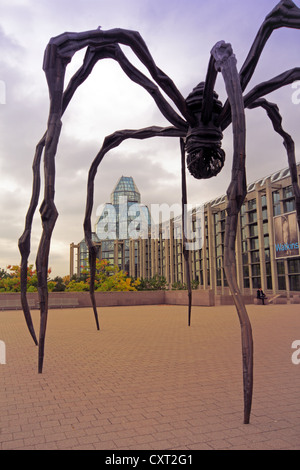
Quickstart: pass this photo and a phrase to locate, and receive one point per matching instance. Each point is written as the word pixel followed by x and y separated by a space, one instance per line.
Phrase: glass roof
pixel 126 187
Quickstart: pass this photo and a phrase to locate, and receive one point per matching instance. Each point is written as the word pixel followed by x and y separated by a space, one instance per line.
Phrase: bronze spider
pixel 199 127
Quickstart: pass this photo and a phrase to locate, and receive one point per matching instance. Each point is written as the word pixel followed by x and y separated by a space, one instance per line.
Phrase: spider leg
pixel 276 119
pixel 67 44
pixel 264 88
pixel 24 241
pixel 285 15
pixel 110 142
pixel 54 67
pixel 225 63
pixel 210 80
pixel 94 54
pixel 274 84
pixel 58 54
pixel 186 253
pixel 113 51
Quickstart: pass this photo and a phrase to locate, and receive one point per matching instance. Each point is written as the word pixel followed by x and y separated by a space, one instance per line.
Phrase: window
pixel 246 271
pixel 251 204
pixel 219 277
pixel 252 217
pixel 243 220
pixel 288 192
pixel 264 213
pixel 245 266
pixel 244 247
pixel 254 244
pixel 255 270
pixel 245 258
pixel 265 228
pixel 253 230
pixel 281 275
pixel 294 266
pixel 269 282
pixel 276 203
pixel 267 254
pixel 219 250
pixel 256 282
pixel 294 282
pixel 254 256
pixel 266 241
pixel 289 204
pixel 294 274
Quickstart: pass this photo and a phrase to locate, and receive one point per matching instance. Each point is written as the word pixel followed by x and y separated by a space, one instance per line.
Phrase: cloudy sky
pixel 180 35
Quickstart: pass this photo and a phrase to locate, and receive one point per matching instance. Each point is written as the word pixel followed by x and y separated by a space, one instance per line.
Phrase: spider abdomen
pixel 205 157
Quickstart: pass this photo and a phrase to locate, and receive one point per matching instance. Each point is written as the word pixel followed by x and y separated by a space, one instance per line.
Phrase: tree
pixel 108 278
pixel 10 280
pixel 155 283
pixel 59 285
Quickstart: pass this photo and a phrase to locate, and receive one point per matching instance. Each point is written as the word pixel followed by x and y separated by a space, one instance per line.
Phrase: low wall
pixel 227 299
pixel 108 299
pixel 203 298
pixel 82 299
pixel 12 301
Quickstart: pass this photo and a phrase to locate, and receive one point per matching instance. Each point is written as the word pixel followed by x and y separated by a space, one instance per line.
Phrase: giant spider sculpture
pixel 199 127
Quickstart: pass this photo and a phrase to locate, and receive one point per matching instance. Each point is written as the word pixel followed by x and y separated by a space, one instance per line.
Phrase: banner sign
pixel 286 235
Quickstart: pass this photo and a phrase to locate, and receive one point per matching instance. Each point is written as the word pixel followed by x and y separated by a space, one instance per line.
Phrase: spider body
pixel 199 127
pixel 205 157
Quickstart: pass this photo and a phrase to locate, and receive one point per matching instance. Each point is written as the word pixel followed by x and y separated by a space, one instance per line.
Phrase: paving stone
pixel 148 381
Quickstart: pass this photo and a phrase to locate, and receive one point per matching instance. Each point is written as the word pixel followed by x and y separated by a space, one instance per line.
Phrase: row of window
pixel 255 248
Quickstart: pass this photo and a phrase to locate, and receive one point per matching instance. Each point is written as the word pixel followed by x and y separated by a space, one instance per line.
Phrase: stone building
pixel 267 244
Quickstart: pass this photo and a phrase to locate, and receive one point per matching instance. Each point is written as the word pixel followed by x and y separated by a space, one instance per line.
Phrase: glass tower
pixel 118 221
pixel 125 187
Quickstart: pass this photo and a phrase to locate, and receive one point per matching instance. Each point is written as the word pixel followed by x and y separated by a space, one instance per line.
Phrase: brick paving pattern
pixel 148 381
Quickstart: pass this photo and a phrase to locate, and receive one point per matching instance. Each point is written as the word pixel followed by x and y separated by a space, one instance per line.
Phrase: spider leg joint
pixel 221 52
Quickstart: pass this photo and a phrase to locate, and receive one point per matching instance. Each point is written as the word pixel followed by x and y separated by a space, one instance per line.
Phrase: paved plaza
pixel 148 381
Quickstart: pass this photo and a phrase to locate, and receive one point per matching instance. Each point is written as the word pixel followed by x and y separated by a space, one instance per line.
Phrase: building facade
pixel 267 244
pixel 115 225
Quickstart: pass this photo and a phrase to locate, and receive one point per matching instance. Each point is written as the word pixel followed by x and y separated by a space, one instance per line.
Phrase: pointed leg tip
pixel 40 366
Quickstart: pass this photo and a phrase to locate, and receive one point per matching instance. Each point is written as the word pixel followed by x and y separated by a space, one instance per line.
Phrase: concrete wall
pixel 180 297
pixel 108 299
pixel 82 299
